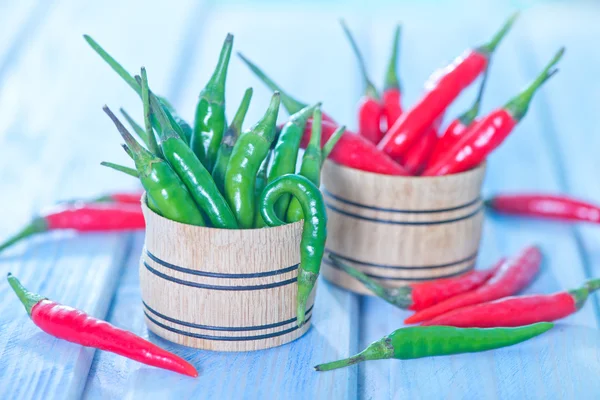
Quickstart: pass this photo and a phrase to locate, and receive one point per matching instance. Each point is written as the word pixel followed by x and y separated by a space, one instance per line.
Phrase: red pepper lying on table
pixel 76 326
pixel 83 217
pixel 512 276
pixel 518 310
pixel 557 207
pixel 442 88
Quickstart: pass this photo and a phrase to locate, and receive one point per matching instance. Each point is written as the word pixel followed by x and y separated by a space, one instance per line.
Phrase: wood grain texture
pixel 221 289
pixel 401 229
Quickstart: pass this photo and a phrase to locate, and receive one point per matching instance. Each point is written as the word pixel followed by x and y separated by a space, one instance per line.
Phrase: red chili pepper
pixel 442 88
pixel 123 198
pixel 83 218
pixel 370 110
pixel 460 126
pixel 485 136
pixel 518 310
pixel 562 208
pixel 76 326
pixel 512 276
pixel 355 151
pixel 418 155
pixel 419 296
pixel 392 92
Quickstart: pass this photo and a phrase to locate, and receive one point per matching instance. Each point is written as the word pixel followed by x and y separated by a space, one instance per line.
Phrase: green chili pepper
pixel 285 153
pixel 132 82
pixel 194 175
pixel 314 232
pixel 333 140
pixel 121 168
pixel 136 127
pixel 210 111
pixel 247 155
pixel 229 138
pixel 426 341
pixel 259 186
pixel 170 198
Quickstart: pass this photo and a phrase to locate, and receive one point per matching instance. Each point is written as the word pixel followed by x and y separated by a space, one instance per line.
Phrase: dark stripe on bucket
pixel 367 264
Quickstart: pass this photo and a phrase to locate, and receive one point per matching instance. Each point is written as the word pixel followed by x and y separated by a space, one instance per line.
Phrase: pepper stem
pixel 266 126
pixel 240 114
pixel 370 90
pixel 152 144
pixel 391 76
pixel 489 47
pixel 400 297
pixel 28 298
pixel 135 126
pixel 593 285
pixel 333 139
pixel 121 168
pixel 306 283
pixel 579 295
pixel 378 350
pixel 519 104
pixel 291 104
pixel 469 116
pixel 315 134
pixel 215 88
pixel 38 225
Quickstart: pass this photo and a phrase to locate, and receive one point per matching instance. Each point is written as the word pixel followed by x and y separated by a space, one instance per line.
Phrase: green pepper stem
pixel 38 225
pixel 469 116
pixel 215 88
pixel 266 125
pixel 400 297
pixel 593 285
pixel 370 89
pixel 519 104
pixel 391 75
pixel 152 143
pixel 29 299
pixel 491 46
pixel 291 104
pixel 302 116
pixel 135 126
pixel 118 68
pixel 139 154
pixel 121 168
pixel 238 119
pixel 333 140
pixel 315 134
pixel 379 350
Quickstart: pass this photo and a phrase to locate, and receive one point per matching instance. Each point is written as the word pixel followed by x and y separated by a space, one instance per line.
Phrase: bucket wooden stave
pixel 221 289
pixel 401 230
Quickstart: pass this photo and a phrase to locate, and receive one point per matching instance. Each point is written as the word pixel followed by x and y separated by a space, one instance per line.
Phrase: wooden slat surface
pixel 53 135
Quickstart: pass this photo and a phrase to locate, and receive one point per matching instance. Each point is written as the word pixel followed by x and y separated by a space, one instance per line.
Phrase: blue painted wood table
pixel 53 136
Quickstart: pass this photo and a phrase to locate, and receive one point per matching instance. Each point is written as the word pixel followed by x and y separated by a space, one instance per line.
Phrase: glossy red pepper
pixel 557 207
pixel 392 91
pixel 370 110
pixel 418 155
pixel 485 136
pixel 76 326
pixel 355 151
pixel 460 126
pixel 441 90
pixel 512 276
pixel 83 217
pixel 518 310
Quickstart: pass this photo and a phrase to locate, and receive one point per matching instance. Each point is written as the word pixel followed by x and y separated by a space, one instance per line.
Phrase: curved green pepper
pixel 314 232
pixel 247 155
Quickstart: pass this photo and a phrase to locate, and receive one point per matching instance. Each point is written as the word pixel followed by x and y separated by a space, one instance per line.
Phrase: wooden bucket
pixel 401 230
pixel 221 289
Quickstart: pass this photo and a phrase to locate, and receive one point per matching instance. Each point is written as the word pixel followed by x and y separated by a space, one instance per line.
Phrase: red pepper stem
pixel 391 76
pixel 490 46
pixel 38 225
pixel 370 90
pixel 28 298
pixel 333 139
pixel 518 105
pixel 121 168
pixel 400 297
pixel 469 116
pixel 579 295
pixel 291 105
pixel 593 285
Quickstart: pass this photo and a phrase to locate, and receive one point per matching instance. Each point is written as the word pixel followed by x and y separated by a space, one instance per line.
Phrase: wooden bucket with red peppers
pixel 401 230
pixel 221 289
